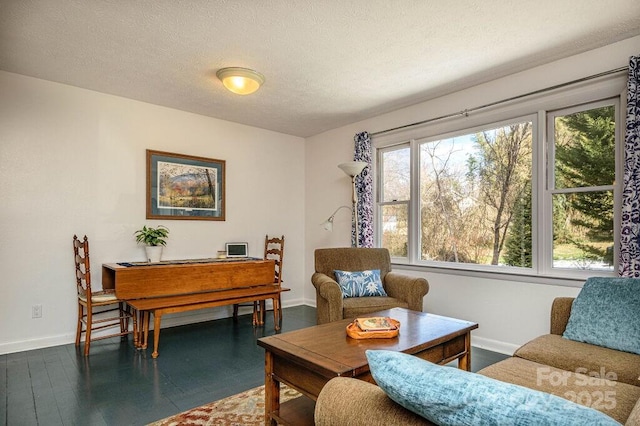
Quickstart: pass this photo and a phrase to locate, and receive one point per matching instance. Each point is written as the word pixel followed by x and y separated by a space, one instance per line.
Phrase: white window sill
pixel 507 275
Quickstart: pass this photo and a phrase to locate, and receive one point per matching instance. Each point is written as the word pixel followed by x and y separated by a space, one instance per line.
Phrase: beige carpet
pixel 243 409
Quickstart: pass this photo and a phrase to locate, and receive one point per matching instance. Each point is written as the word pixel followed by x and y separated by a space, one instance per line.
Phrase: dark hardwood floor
pixel 118 385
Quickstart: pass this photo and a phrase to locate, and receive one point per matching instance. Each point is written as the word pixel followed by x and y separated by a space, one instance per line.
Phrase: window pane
pixel 583 240
pixel 585 148
pixel 395 226
pixel 395 175
pixel 475 196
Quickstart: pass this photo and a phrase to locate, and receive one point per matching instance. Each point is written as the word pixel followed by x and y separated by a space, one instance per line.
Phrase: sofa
pixel 401 291
pixel 591 375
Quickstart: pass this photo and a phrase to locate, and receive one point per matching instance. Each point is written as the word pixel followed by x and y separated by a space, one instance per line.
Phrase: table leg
pixel 256 313
pixel 136 335
pixel 271 391
pixel 144 333
pixel 124 320
pixel 276 313
pixel 156 333
pixel 260 308
pixel 141 342
pixel 263 310
pixel 464 362
pixel 140 330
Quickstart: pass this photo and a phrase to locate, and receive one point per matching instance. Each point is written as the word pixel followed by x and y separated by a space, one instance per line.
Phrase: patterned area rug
pixel 243 409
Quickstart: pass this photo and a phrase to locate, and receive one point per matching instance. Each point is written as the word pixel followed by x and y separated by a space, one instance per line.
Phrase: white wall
pixel 509 313
pixel 73 161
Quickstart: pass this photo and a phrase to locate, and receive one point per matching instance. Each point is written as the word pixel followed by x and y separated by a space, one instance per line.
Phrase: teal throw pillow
pixel 449 396
pixel 607 313
pixel 360 284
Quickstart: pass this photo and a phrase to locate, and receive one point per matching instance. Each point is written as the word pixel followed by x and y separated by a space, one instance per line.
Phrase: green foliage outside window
pixel 476 194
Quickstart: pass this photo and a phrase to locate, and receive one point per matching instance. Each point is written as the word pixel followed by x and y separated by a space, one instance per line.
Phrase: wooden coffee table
pixel 307 359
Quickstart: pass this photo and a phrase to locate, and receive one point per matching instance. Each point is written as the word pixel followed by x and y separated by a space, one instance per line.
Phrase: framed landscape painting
pixel 184 187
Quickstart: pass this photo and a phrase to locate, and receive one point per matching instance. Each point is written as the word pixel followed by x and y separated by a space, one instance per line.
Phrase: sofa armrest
pixel 560 311
pixel 328 298
pixel 348 401
pixel 407 288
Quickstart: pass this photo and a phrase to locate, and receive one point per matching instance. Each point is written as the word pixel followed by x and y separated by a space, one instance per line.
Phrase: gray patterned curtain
pixel 629 265
pixel 364 192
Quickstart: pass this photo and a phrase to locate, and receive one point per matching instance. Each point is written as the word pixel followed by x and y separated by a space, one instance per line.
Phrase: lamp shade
pixel 327 225
pixel 353 168
pixel 241 81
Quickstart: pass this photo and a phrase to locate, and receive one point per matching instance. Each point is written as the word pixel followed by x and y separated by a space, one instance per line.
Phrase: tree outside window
pixel 478 197
pixel 470 187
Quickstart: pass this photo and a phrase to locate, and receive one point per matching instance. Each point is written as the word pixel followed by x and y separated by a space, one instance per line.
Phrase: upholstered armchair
pixel 402 291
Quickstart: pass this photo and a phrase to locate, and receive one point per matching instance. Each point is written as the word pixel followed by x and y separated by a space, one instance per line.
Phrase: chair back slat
pixel 83 266
pixel 274 250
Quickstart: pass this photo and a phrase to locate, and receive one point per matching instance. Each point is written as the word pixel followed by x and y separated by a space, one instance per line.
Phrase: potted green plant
pixel 154 239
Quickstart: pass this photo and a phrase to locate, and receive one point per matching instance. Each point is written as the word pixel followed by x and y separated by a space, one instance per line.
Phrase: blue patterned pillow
pixel 360 284
pixel 448 396
pixel 607 313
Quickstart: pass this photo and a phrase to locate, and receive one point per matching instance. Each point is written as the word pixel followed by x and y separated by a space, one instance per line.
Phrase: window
pixel 470 188
pixel 581 186
pixel 395 191
pixel 533 195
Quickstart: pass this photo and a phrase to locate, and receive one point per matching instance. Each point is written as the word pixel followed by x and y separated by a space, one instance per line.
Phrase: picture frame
pixel 185 187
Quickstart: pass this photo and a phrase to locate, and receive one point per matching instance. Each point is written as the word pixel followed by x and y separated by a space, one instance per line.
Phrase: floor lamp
pixel 353 169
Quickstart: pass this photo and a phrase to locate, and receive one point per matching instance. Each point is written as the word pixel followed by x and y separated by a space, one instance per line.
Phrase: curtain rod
pixel 535 92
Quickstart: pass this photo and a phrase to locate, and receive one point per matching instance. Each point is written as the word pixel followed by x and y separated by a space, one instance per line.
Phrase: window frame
pixel 549 188
pixel 379 194
pixel 606 91
pixel 464 132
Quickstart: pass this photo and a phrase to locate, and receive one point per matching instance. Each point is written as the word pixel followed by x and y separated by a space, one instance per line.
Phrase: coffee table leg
pixel 271 390
pixel 464 362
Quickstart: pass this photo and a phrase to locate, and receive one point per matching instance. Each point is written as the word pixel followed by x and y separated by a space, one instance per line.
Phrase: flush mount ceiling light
pixel 241 81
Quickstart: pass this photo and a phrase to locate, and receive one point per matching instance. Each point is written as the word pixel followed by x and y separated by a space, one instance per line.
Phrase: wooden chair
pixel 273 249
pixel 91 319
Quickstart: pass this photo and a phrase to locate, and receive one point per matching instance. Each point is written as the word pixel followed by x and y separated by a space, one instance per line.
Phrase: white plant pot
pixel 154 253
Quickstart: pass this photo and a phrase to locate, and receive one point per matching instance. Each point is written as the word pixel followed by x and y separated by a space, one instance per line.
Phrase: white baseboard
pixel 168 321
pixel 494 345
pixel 210 315
pixel 30 344
pixel 309 302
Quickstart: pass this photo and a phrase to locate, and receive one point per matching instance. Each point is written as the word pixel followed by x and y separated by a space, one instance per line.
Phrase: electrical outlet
pixel 36 311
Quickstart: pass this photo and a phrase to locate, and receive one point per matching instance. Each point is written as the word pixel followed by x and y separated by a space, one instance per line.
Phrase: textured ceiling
pixel 327 63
